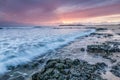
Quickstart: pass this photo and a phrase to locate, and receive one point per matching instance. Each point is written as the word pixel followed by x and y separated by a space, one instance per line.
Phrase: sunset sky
pixel 46 12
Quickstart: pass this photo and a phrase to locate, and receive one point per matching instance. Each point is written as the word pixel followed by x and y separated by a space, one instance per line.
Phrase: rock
pixel 97 48
pixel 76 62
pixel 116 69
pixel 60 66
pixel 113 60
pixel 77 70
pixel 116 73
pixel 99 29
pixel 53 60
pixel 25 66
pixel 82 49
pixel 82 62
pixel 95 77
pixel 11 67
pixel 17 74
pixel 5 77
pixel 56 73
pixel 100 65
pixel 18 78
pixel 35 76
pixel 101 34
pixel 104 48
pixel 49 71
pixel 68 62
pixel 50 64
pixel 64 71
pixel 41 60
pixel 35 64
pixel 62 78
pixel 30 65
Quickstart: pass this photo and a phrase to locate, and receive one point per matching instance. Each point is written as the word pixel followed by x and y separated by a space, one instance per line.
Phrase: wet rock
pixel 114 43
pixel 68 62
pixel 57 73
pixel 116 70
pixel 99 29
pixel 35 64
pixel 107 47
pixel 11 67
pixel 55 69
pixel 116 73
pixel 96 77
pixel 76 62
pixel 82 62
pixel 64 71
pixel 62 78
pixel 100 66
pixel 101 34
pixel 41 60
pixel 113 60
pixel 25 66
pixel 35 76
pixel 29 65
pixel 50 64
pixel 82 49
pixel 75 72
pixel 18 78
pixel 60 66
pixel 52 60
pixel 97 48
pixel 49 71
pixel 5 77
pixel 17 73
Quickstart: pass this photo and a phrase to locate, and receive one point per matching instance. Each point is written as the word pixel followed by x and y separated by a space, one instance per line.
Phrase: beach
pixel 97 53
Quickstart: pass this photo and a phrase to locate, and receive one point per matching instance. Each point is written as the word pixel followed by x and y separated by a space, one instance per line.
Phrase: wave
pixel 22 46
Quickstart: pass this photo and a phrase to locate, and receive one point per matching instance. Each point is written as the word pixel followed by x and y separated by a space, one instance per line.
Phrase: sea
pixel 20 45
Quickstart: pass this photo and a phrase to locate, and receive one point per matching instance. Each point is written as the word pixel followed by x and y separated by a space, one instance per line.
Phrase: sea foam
pixel 20 46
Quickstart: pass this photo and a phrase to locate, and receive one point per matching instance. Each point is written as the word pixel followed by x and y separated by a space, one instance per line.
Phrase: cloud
pixel 51 11
pixel 94 12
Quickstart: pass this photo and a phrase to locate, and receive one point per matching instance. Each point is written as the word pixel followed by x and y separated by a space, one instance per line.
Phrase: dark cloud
pixel 44 10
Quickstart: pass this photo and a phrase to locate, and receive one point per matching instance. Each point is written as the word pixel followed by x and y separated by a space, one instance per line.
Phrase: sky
pixel 48 12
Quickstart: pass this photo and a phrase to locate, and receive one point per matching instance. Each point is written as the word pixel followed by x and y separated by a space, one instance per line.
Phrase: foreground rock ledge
pixel 67 69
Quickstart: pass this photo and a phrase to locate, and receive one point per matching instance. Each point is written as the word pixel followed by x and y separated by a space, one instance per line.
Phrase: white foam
pixel 19 46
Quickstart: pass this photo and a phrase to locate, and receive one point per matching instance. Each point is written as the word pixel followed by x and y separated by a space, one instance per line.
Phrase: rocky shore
pixel 105 49
pixel 67 69
pixel 87 58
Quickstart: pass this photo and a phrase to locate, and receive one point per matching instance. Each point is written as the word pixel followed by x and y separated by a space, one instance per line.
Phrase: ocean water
pixel 21 45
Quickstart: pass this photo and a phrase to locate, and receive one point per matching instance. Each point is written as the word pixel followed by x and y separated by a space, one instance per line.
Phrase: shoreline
pixel 75 50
